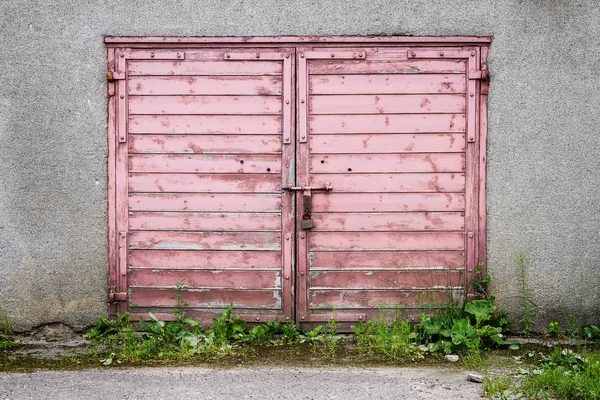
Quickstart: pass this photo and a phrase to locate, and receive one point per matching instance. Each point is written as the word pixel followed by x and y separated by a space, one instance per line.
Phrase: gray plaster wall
pixel 543 172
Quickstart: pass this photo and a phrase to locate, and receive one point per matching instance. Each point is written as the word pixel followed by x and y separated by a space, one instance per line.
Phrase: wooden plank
pixel 386 259
pixel 418 279
pixel 204 68
pixel 189 259
pixel 216 105
pixel 386 84
pixel 178 240
pixel 206 85
pixel 394 123
pixel 356 299
pixel 198 183
pixel 247 163
pixel 337 67
pixel 387 104
pixel 365 163
pixel 356 222
pixel 205 279
pixel 387 202
pixel 213 298
pixel 205 144
pixel 208 124
pixel 190 221
pixel 392 183
pixel 360 241
pixel 357 144
pixel 206 202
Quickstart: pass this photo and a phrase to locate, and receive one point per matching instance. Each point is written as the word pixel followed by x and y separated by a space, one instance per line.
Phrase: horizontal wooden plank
pixel 190 221
pixel 355 299
pixel 198 183
pixel 359 241
pixel 356 222
pixel 205 279
pixel 386 84
pixel 386 259
pixel 386 104
pixel 365 163
pixel 394 123
pixel 337 67
pixel 212 298
pixel 204 67
pixel 219 105
pixel 178 240
pixel 248 163
pixel 190 259
pixel 205 85
pixel 392 183
pixel 387 202
pixel 210 124
pixel 398 143
pixel 418 279
pixel 205 144
pixel 205 202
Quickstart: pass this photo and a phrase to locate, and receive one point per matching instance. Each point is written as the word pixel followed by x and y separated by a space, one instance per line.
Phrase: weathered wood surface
pixel 210 124
pixel 168 278
pixel 149 68
pixel 205 85
pixel 205 144
pixel 390 123
pixel 393 241
pixel 365 163
pixel 215 240
pixel 387 202
pixel 386 259
pixel 393 183
pixel 387 104
pixel 417 279
pixel 190 221
pixel 357 222
pixel 191 259
pixel 336 67
pixel 204 183
pixel 212 105
pixel 185 163
pixel 358 299
pixel 390 143
pixel 208 298
pixel 240 202
pixel 386 84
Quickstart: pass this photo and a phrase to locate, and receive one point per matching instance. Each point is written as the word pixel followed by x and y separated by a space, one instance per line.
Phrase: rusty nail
pixel 302 317
pixel 257 55
pixel 121 97
pixel 178 55
pixel 151 55
pixel 301 55
pixel 228 55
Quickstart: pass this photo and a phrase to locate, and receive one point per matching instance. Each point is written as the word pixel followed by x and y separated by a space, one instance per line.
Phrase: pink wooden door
pixel 205 143
pixel 209 180
pixel 393 132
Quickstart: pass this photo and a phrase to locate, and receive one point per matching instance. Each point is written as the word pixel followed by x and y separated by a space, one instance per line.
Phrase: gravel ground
pixel 245 383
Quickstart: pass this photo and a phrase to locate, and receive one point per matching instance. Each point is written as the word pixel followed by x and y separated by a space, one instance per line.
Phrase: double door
pixel 296 183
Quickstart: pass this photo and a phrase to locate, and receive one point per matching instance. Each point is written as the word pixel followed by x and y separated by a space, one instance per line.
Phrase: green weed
pixel 6 331
pixel 396 341
pixel 527 304
pixel 501 388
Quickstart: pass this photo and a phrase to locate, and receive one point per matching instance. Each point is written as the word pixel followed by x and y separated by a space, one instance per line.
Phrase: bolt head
pixel 257 55
pixel 178 55
pixel 151 55
pixel 258 318
pixel 302 317
pixel 413 54
pixel 287 56
pixel 332 54
pixel 441 54
pixel 472 94
pixel 287 102
pixel 228 55
pixel 121 97
pixel 472 53
pixel 301 55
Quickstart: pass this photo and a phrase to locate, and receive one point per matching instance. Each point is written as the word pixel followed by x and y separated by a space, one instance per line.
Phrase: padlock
pixel 307 222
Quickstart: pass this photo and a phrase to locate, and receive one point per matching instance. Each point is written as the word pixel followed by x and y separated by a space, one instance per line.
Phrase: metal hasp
pixel 327 188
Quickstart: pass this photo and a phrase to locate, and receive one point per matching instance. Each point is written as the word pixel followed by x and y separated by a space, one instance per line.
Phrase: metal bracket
pixel 112 76
pixel 121 296
pixel 326 188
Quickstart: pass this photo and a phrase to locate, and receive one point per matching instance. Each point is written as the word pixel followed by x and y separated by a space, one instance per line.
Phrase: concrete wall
pixel 544 138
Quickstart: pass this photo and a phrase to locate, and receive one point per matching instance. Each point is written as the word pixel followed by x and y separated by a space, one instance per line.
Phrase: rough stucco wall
pixel 543 136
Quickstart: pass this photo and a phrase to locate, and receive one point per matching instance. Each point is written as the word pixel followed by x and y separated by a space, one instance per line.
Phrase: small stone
pixel 452 358
pixel 475 378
